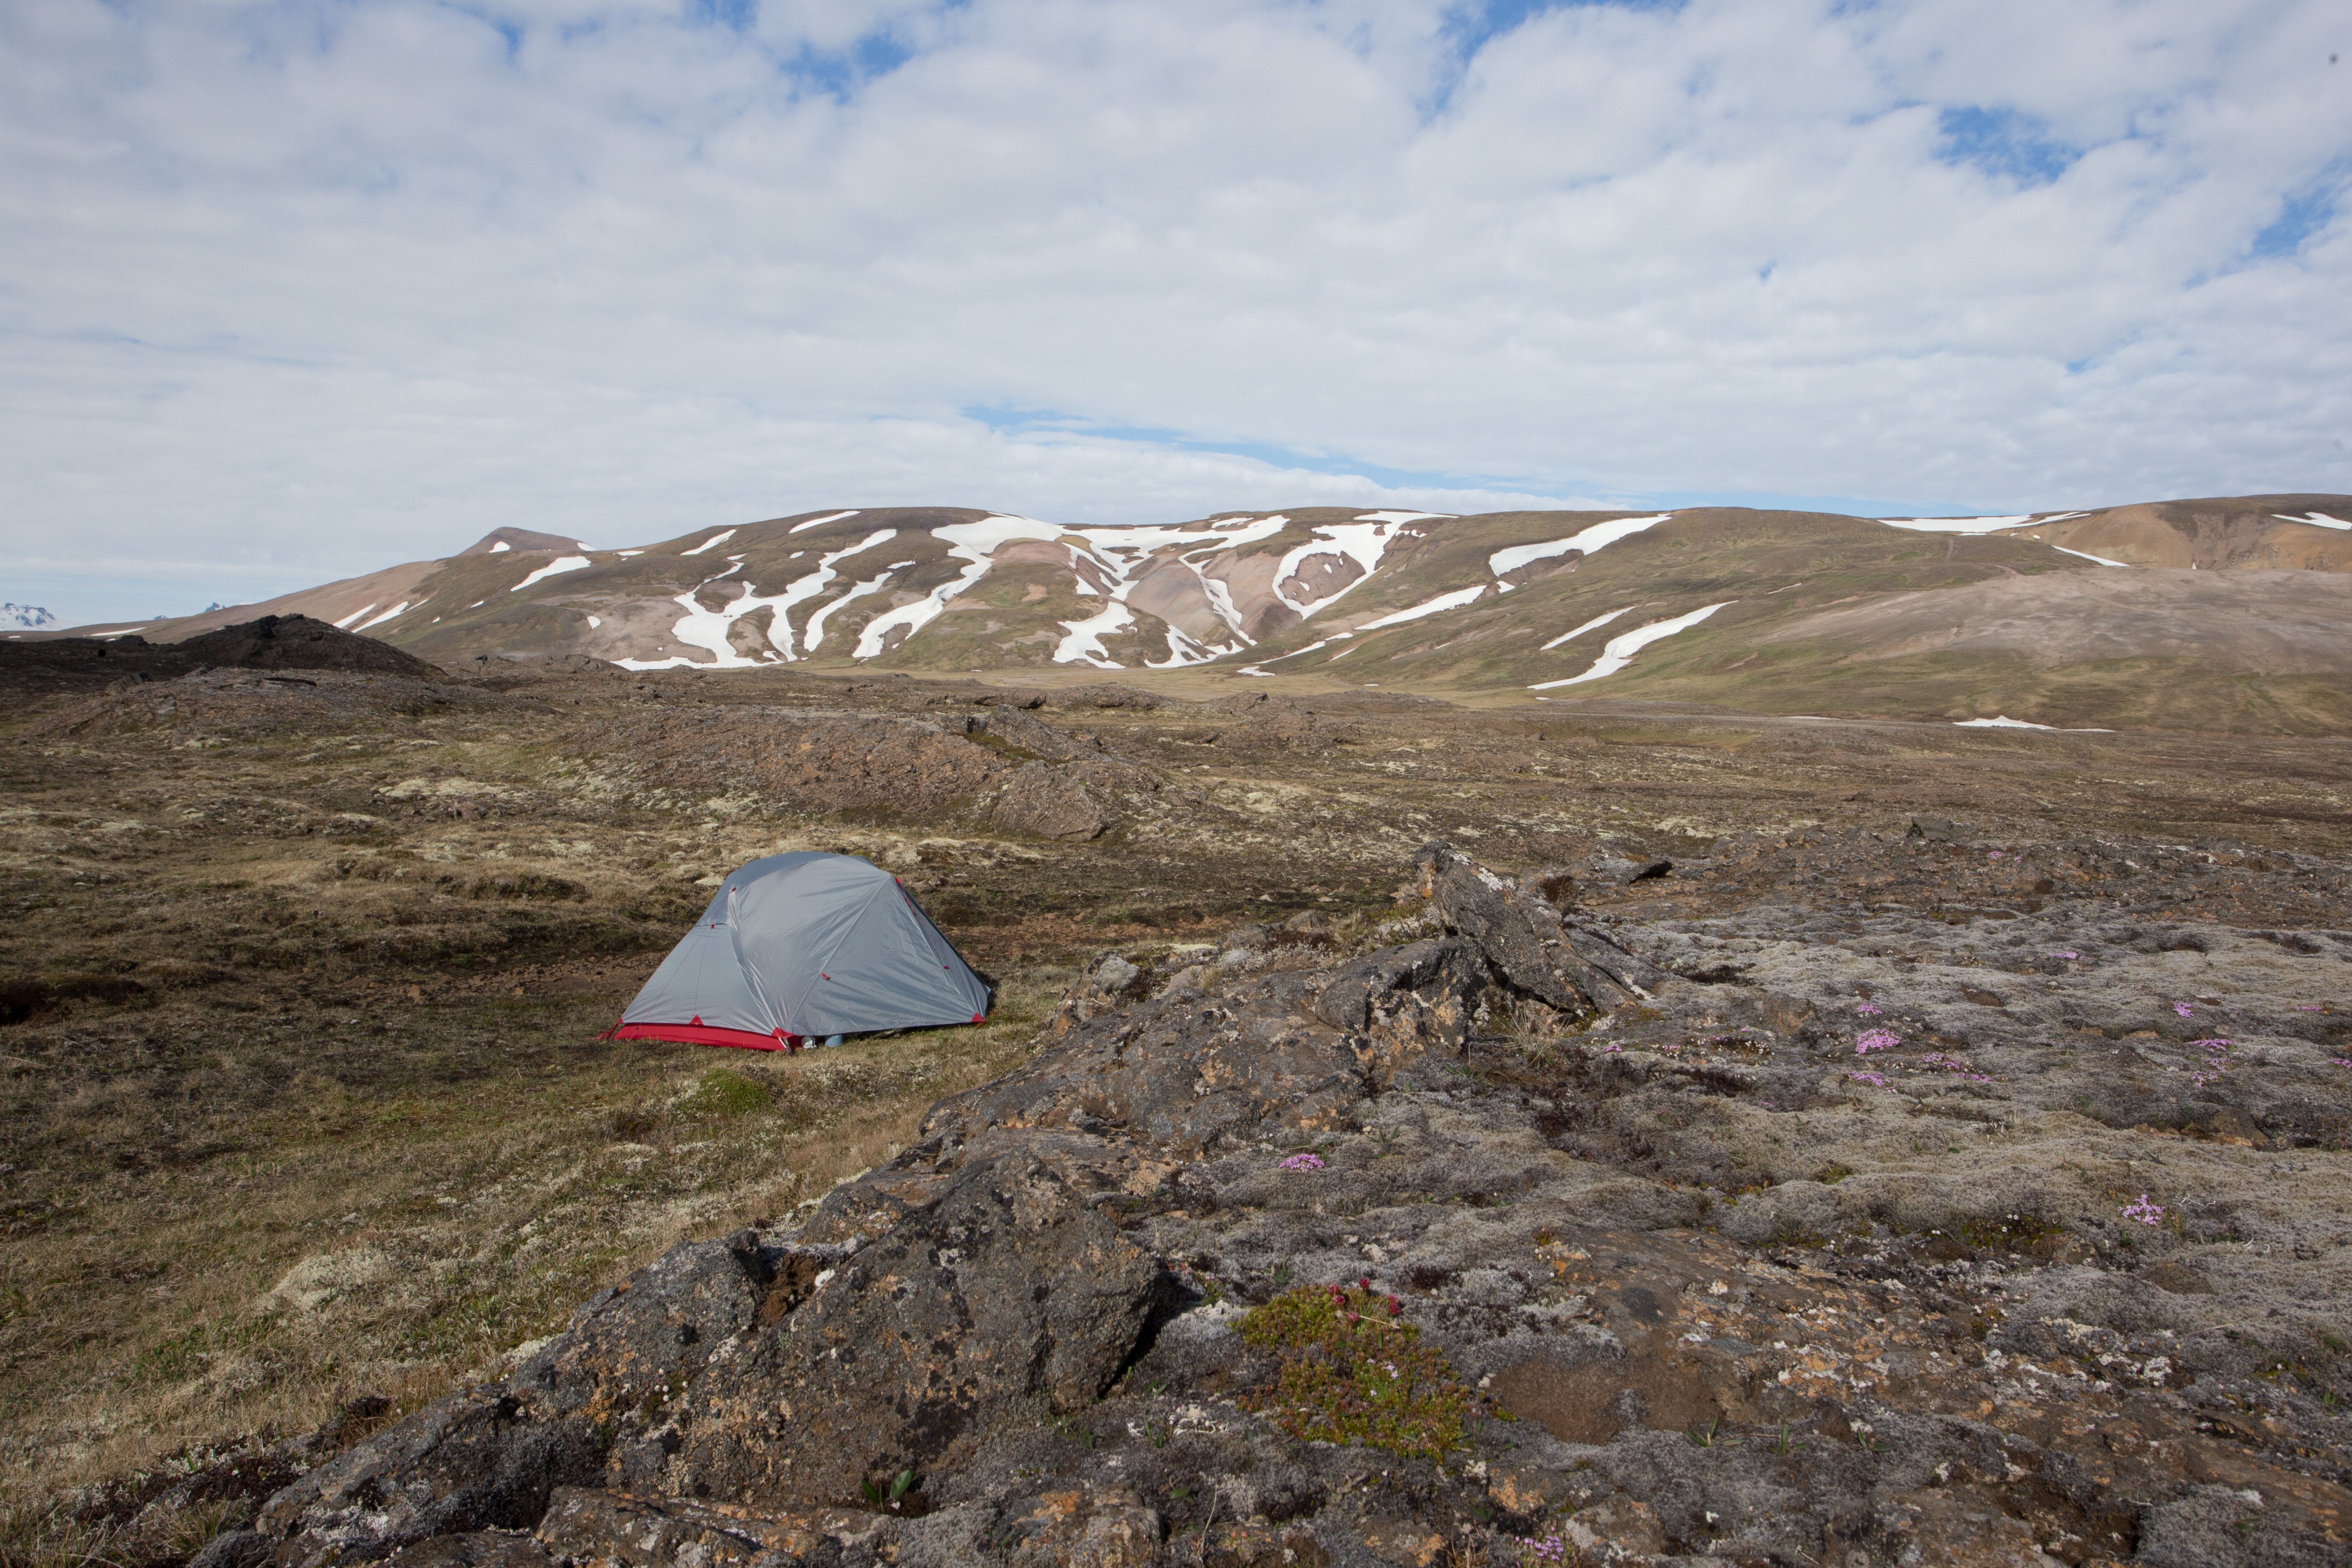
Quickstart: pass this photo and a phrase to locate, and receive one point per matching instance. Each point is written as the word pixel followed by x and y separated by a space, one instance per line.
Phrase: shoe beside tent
pixel 800 945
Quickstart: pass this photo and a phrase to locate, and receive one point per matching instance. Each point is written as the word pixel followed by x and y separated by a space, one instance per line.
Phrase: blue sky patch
pixel 1469 25
pixel 2301 215
pixel 842 71
pixel 2002 143
pixel 1038 421
pixel 735 15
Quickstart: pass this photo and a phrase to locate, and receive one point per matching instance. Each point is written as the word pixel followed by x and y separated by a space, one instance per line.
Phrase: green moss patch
pixel 1351 1373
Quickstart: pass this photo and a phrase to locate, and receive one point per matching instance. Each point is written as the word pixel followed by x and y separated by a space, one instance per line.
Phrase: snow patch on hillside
pixel 1121 554
pixel 715 540
pixel 821 521
pixel 1182 649
pixel 2086 555
pixel 1455 600
pixel 1594 624
pixel 972 543
pixel 401 608
pixel 857 591
pixel 1362 543
pixel 2317 519
pixel 707 629
pixel 1958 524
pixel 1619 651
pixel 563 563
pixel 1083 643
pixel 2005 722
pixel 1598 536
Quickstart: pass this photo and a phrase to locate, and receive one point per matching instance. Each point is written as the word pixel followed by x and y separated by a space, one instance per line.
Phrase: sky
pixel 295 289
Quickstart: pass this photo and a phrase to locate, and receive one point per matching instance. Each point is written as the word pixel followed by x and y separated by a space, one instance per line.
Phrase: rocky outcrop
pixel 1044 803
pixel 998 1295
pixel 573 1414
pixel 298 642
pixel 1546 1154
pixel 270 643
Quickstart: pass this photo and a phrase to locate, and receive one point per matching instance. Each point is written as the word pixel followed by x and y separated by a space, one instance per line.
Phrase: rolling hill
pixel 2221 612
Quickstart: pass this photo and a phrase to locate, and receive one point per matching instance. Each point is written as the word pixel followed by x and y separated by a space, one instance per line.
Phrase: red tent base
pixel 704 1034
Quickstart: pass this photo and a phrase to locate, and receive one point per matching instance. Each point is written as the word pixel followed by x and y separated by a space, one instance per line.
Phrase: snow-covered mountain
pixel 25 618
pixel 1556 604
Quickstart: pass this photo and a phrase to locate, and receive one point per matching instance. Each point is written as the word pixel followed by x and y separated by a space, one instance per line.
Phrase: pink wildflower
pixel 2183 1008
pixel 1868 1009
pixel 1876 1040
pixel 2144 1211
pixel 1303 1163
pixel 2065 955
pixel 1875 1079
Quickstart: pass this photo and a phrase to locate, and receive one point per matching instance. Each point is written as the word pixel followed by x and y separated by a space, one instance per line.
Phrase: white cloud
pixel 301 289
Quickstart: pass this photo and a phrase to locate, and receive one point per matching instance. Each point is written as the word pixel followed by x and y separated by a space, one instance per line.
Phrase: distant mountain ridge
pixel 1553 604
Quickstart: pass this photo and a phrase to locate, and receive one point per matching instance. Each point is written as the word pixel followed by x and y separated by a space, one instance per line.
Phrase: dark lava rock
pixel 1698 1297
pixel 273 642
pixel 298 642
pixel 1004 1297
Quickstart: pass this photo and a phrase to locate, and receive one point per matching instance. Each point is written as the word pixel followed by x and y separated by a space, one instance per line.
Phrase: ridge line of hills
pixel 2225 613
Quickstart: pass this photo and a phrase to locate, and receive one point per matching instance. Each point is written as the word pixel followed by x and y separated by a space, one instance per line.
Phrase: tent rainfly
pixel 803 945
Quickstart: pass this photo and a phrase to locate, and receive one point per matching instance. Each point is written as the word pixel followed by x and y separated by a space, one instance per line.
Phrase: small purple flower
pixel 2144 1211
pixel 1875 1079
pixel 1876 1040
pixel 2183 1008
pixel 2215 1045
pixel 2309 1007
pixel 1996 854
pixel 2065 955
pixel 1303 1163
pixel 1868 1009
pixel 2341 1061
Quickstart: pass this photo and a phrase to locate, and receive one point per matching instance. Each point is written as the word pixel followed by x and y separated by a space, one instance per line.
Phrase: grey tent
pixel 800 945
